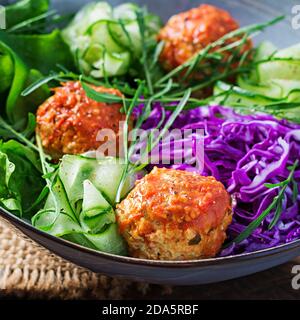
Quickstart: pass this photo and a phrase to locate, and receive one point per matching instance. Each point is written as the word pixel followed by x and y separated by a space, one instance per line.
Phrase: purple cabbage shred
pixel 244 152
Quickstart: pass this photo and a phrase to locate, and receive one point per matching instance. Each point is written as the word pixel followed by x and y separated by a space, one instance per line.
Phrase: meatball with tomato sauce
pixel 175 215
pixel 189 32
pixel 69 121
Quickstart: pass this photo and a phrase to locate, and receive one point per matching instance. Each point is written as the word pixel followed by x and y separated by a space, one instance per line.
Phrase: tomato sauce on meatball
pixel 175 215
pixel 69 121
pixel 187 33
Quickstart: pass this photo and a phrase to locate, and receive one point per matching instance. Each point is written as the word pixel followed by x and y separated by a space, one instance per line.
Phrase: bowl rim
pixel 15 220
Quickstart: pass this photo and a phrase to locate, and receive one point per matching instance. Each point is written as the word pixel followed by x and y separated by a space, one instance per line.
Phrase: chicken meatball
pixel 175 215
pixel 69 121
pixel 187 33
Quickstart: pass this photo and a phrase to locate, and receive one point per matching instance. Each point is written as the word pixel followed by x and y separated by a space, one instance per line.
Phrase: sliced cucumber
pixel 288 70
pixel 275 89
pixel 81 44
pixel 94 53
pixel 111 64
pixel 272 86
pixel 109 241
pixel 58 198
pixel 153 25
pixel 278 79
pixel 236 96
pixel 96 211
pixel 86 17
pixel 270 90
pixel 292 52
pixel 100 11
pixel 57 217
pixel 265 50
pixel 294 96
pixel 95 225
pixel 105 55
pixel 105 175
pixel 100 34
pixel 93 201
pixel 73 171
pixel 63 224
pixel 79 206
pixel 106 41
pixel 118 33
pixel 126 11
pixel 288 87
pixel 127 34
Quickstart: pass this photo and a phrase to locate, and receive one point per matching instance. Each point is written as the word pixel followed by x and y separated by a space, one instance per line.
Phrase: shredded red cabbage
pixel 244 152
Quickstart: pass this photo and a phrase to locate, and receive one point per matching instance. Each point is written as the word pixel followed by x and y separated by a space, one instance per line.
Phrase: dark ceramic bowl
pixel 182 272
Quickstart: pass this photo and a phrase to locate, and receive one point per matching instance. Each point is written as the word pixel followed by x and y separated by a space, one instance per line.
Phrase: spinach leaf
pixel 21 179
pixel 18 76
pixel 25 9
pixel 42 52
pixel 24 105
pixel 7 70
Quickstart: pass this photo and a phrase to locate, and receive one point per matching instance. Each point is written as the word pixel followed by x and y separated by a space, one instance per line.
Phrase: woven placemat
pixel 28 270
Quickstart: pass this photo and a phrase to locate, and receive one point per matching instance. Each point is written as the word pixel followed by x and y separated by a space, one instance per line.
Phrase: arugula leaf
pixel 7 131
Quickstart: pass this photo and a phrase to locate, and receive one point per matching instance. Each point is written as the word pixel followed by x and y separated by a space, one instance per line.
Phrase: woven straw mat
pixel 28 270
